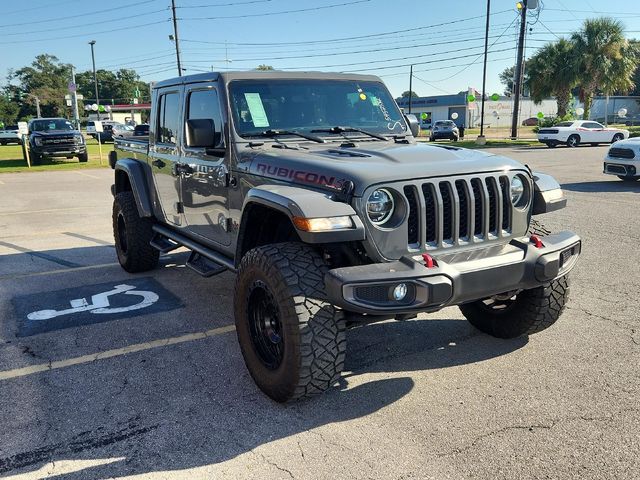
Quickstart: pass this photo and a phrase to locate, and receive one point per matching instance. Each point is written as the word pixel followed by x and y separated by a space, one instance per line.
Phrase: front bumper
pixel 59 151
pixel 455 278
pixel 621 167
pixel 450 135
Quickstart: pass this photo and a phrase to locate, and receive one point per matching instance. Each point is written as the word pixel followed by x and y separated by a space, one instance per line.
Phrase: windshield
pixel 304 105
pixel 53 124
pixel 446 123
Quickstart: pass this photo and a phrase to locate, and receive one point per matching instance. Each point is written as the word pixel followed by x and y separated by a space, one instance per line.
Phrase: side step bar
pixel 203 260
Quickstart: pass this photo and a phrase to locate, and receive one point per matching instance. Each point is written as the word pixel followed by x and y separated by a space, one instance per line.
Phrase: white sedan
pixel 576 132
pixel 623 160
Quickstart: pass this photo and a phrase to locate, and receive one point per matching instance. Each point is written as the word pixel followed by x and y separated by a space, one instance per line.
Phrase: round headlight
pixel 517 190
pixel 380 206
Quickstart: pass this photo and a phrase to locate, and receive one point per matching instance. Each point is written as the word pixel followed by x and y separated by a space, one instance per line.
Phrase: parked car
pixel 329 221
pixel 106 134
pixel 530 122
pixel 623 160
pixel 55 137
pixel 575 132
pixel 632 121
pixel 121 130
pixel 444 129
pixel 141 130
pixel 10 134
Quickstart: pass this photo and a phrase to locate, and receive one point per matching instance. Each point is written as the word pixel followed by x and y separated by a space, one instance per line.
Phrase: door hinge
pixel 179 207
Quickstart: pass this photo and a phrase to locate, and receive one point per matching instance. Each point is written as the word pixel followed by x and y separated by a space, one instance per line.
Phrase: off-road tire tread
pixel 298 272
pixel 141 256
pixel 535 310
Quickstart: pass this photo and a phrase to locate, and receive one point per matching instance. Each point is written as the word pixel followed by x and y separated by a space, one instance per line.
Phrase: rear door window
pixel 169 118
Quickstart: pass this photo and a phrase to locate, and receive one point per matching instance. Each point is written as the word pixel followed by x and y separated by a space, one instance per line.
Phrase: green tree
pixel 406 94
pixel 118 87
pixel 605 59
pixel 552 72
pixel 47 78
pixel 506 78
pixel 9 108
pixel 264 67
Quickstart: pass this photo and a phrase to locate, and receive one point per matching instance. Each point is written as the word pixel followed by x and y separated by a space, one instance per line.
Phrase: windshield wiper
pixel 277 133
pixel 340 130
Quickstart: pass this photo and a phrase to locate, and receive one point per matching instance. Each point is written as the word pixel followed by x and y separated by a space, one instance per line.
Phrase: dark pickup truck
pixel 313 189
pixel 55 137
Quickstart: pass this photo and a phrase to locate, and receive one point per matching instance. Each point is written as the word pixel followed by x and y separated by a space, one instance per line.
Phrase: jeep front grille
pixel 458 211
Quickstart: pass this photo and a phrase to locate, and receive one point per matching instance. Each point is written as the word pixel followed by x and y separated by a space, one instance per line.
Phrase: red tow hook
pixel 429 262
pixel 536 241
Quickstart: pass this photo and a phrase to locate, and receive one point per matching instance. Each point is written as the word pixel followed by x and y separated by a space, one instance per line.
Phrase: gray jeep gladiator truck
pixel 312 188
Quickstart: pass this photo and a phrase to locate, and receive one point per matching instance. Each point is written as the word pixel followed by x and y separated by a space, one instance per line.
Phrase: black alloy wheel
pixel 265 326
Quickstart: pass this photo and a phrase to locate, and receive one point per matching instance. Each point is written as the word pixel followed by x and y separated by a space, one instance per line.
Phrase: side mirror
pixel 414 124
pixel 201 132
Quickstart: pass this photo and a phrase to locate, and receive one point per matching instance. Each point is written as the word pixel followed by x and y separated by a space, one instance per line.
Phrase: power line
pixel 85 34
pixel 332 54
pixel 249 15
pixel 146 14
pixel 66 17
pixel 308 42
pixel 225 4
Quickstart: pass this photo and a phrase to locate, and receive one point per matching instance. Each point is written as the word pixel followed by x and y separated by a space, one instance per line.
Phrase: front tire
pixel 83 157
pixel 293 341
pixel 524 313
pixel 520 313
pixel 628 179
pixel 132 234
pixel 573 141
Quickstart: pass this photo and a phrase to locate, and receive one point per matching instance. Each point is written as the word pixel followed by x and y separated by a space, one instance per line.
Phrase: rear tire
pixel 552 145
pixel 132 234
pixel 293 341
pixel 617 137
pixel 573 141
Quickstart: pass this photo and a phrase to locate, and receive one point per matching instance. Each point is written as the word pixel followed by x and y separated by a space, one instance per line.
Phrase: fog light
pixel 400 292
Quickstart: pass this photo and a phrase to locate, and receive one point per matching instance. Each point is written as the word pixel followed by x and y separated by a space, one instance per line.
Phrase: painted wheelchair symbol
pixel 100 303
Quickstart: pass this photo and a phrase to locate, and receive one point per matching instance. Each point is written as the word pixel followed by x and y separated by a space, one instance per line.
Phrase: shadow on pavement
pixel 613 185
pixel 195 405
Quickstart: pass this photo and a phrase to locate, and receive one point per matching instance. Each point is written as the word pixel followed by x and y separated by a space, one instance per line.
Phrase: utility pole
pixel 484 69
pixel 410 86
pixel 517 86
pixel 95 76
pixel 175 35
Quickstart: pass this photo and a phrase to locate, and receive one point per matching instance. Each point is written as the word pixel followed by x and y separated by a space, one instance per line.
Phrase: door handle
pixel 158 163
pixel 182 169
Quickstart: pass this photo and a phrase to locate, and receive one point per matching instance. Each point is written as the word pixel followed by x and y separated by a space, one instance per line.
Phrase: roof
pixel 262 74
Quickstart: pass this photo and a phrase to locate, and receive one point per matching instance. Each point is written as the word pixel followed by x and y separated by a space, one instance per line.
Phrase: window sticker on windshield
pixel 256 108
pixel 363 96
pixel 374 101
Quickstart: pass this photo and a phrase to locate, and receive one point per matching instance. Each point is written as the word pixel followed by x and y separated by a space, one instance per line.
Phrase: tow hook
pixel 429 261
pixel 536 241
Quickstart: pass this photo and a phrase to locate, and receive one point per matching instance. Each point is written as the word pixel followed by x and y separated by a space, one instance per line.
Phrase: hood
pixel 331 166
pixel 55 132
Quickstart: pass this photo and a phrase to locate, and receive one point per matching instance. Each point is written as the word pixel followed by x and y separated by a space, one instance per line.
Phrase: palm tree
pixel 605 59
pixel 551 72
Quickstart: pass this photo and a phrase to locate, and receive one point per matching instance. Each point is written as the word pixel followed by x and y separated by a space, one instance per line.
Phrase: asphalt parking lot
pixel 163 392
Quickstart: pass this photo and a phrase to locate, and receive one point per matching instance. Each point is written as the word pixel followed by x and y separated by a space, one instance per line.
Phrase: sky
pixel 443 39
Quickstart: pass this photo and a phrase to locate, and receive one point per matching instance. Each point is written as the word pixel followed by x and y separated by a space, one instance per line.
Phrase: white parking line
pixel 51 210
pixel 86 175
pixel 117 352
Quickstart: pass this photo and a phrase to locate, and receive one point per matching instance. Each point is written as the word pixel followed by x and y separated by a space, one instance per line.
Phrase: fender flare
pixel 134 171
pixel 547 194
pixel 300 202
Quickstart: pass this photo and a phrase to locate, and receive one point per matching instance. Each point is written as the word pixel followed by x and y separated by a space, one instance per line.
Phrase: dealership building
pixel 497 113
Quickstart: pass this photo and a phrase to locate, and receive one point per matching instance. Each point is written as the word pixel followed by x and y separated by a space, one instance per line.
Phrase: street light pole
pixel 484 68
pixel 175 36
pixel 410 86
pixel 95 77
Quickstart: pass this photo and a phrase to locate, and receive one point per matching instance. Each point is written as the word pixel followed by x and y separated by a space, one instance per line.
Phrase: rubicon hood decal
pixel 300 176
